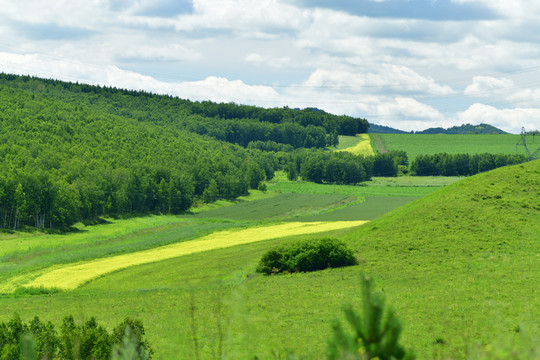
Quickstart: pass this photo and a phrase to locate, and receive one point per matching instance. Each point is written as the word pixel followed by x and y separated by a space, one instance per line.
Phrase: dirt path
pixel 380 145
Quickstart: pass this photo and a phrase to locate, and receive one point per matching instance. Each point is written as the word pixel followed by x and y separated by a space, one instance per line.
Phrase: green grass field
pixel 460 265
pixel 420 144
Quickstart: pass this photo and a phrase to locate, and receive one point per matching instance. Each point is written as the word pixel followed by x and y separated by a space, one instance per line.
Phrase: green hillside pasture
pixel 421 144
pixel 460 267
pixel 258 314
pixel 462 264
pixel 71 276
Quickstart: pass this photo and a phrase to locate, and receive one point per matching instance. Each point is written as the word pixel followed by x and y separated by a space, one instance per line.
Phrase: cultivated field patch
pixel 362 146
pixel 69 277
pixel 369 209
pixel 427 144
pixel 281 206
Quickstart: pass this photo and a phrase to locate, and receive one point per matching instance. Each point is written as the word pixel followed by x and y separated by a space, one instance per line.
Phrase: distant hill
pixel 482 129
pixel 381 129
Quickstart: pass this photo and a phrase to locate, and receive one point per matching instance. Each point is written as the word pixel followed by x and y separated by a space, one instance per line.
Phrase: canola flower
pixel 71 276
pixel 363 147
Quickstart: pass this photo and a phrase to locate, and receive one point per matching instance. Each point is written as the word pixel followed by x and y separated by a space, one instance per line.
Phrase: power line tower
pixel 531 155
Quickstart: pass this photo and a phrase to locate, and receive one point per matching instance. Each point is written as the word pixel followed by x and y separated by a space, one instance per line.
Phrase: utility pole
pixel 531 155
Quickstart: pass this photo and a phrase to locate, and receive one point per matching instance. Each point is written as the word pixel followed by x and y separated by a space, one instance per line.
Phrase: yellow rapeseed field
pixel 69 277
pixel 362 148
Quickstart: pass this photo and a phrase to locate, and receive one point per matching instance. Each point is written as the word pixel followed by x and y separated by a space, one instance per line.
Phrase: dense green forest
pixel 61 163
pixel 72 152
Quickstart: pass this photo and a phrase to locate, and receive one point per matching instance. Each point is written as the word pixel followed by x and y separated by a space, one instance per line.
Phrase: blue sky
pixel 410 64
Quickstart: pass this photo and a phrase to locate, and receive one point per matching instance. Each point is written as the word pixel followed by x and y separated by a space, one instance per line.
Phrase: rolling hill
pixel 481 129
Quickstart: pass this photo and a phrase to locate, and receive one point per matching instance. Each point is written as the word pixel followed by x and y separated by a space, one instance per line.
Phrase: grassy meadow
pixel 421 144
pixel 458 259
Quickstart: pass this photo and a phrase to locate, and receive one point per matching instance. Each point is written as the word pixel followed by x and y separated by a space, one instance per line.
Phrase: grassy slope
pixel 458 265
pixel 464 262
pixel 417 144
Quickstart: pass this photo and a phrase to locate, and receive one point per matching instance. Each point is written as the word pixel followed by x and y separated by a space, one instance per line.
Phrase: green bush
pixel 306 256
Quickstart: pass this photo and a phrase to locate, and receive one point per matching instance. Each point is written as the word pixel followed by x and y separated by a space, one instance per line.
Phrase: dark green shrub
pixel 310 255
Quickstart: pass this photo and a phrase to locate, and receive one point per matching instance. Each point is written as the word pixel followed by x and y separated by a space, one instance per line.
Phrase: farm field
pixel 460 265
pixel 421 144
pixel 71 276
pixel 358 145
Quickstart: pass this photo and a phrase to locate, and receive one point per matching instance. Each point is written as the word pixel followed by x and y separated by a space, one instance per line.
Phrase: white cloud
pixel 264 16
pixel 270 61
pixel 211 88
pixel 385 78
pixel 163 53
pixel 486 86
pixel 516 9
pixel 510 120
pixel 88 14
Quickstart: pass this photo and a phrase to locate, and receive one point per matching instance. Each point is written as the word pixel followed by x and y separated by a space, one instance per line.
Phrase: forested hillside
pixel 239 124
pixel 70 152
pixel 61 163
pixel 464 129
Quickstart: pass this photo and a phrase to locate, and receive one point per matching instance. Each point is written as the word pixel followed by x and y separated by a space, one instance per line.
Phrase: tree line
pixel 444 164
pixel 340 167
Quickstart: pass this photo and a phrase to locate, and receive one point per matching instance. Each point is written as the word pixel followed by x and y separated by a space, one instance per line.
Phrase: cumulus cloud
pixel 168 52
pixel 265 16
pixel 87 14
pixel 486 86
pixel 386 77
pixel 510 120
pixel 271 61
pixel 212 88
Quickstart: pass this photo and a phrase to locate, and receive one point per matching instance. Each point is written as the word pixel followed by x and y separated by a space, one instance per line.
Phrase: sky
pixel 409 64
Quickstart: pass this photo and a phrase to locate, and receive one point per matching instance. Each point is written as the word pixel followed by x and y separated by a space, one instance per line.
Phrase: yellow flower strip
pixel 71 276
pixel 363 147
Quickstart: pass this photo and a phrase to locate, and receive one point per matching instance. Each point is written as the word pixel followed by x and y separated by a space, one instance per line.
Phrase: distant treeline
pixel 340 167
pixel 242 132
pixel 461 164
